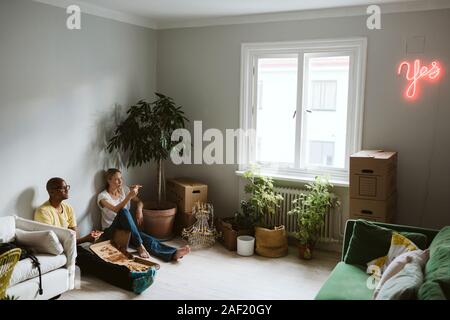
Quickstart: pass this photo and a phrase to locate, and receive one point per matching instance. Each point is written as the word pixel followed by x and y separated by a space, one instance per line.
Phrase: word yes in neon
pixel 416 72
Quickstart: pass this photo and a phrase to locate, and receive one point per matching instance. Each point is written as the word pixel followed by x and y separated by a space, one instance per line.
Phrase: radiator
pixel 332 229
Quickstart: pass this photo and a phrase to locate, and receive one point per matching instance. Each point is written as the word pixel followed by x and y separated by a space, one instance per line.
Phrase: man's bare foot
pixel 142 252
pixel 181 252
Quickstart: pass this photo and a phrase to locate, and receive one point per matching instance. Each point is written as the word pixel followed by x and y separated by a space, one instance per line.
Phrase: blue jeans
pixel 124 221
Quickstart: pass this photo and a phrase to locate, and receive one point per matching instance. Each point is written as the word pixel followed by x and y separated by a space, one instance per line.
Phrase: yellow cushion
pixel 399 245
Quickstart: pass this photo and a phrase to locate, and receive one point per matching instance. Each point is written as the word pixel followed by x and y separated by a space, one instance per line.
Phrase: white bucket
pixel 245 245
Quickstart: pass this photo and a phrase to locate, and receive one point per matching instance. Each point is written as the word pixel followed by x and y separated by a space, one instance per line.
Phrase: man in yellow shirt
pixel 58 213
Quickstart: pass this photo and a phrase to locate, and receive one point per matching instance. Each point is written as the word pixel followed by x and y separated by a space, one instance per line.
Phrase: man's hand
pixel 95 235
pixel 139 218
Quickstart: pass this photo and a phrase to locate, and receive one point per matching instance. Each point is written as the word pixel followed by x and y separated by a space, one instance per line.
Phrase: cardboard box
pixel 185 192
pixel 372 187
pixel 381 211
pixel 373 174
pixel 373 162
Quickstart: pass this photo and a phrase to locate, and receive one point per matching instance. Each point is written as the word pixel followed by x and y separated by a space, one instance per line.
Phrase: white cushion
pixel 7 229
pixel 405 284
pixel 25 269
pixel 53 284
pixel 39 241
pixel 398 264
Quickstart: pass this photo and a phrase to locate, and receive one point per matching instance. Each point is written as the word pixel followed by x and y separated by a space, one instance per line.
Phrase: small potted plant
pixel 310 209
pixel 271 240
pixel 145 136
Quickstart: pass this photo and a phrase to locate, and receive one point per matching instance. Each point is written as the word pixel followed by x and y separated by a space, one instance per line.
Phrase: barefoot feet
pixel 143 252
pixel 181 252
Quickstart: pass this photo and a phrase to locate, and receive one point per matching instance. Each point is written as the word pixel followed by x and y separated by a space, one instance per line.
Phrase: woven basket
pixel 271 243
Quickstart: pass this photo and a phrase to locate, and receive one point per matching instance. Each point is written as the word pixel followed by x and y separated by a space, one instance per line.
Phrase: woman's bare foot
pixel 142 252
pixel 181 252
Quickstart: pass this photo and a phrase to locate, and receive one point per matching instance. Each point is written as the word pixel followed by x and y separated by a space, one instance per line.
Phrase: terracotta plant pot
pixel 305 251
pixel 159 219
pixel 271 243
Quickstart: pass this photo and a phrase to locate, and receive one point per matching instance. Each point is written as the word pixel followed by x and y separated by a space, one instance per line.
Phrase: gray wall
pixel 59 91
pixel 200 69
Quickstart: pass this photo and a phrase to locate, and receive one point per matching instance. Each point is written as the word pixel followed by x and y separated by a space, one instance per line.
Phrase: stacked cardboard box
pixel 373 185
pixel 185 192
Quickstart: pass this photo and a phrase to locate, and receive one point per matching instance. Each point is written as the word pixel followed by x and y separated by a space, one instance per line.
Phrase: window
pixel 305 102
pixel 323 95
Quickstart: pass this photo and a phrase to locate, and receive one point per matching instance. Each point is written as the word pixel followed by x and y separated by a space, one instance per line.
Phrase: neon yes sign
pixel 416 72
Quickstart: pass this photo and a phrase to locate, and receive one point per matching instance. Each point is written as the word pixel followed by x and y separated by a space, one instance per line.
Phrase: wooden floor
pixel 218 274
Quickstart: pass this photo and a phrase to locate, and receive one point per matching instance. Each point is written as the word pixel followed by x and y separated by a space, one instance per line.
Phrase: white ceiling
pixel 171 10
pixel 162 14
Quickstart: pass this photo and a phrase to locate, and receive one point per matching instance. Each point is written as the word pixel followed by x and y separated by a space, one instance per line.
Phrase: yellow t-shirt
pixel 46 213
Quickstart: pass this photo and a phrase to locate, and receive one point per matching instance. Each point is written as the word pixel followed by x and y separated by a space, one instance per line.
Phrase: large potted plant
pixel 145 136
pixel 271 240
pixel 310 210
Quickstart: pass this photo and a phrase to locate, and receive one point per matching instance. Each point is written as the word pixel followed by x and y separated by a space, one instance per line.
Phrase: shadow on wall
pixel 24 204
pixel 106 126
pixel 92 214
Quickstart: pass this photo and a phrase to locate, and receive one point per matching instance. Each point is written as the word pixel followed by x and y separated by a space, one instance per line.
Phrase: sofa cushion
pixel 39 241
pixel 25 270
pixel 7 229
pixel 399 263
pixel 369 241
pixel 405 284
pixel 441 239
pixel 346 282
pixel 437 271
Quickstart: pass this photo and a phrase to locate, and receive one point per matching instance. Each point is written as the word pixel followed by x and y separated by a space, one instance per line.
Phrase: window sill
pixel 302 179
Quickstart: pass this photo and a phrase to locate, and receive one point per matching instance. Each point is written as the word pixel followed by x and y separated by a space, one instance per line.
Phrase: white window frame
pixel 356 48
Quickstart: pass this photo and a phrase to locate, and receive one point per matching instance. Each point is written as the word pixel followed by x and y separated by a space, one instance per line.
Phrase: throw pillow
pixel 405 284
pixel 437 274
pixel 399 245
pixel 398 264
pixel 7 229
pixel 368 242
pixel 40 241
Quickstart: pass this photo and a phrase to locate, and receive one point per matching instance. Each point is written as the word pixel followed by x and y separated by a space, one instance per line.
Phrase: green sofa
pixel 348 281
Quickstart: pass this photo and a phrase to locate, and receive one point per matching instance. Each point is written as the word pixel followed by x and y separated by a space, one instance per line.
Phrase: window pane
pixel 276 104
pixel 325 110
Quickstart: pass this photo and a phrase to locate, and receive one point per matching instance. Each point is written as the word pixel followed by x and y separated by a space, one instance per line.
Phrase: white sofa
pixel 58 271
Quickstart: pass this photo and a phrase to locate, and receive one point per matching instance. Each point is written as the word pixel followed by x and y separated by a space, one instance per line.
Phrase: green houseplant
pixel 310 209
pixel 262 202
pixel 145 136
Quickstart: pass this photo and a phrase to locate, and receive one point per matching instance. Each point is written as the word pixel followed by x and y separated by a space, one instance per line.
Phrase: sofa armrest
pixel 67 237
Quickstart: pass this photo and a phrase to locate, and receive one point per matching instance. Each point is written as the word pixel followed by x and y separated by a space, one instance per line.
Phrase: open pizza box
pixel 115 251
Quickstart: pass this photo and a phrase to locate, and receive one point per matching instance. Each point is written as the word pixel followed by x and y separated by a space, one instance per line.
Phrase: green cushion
pixel 437 270
pixel 346 282
pixel 441 239
pixel 370 241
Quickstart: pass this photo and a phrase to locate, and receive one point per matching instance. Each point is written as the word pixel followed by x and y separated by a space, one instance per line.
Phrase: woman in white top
pixel 114 203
